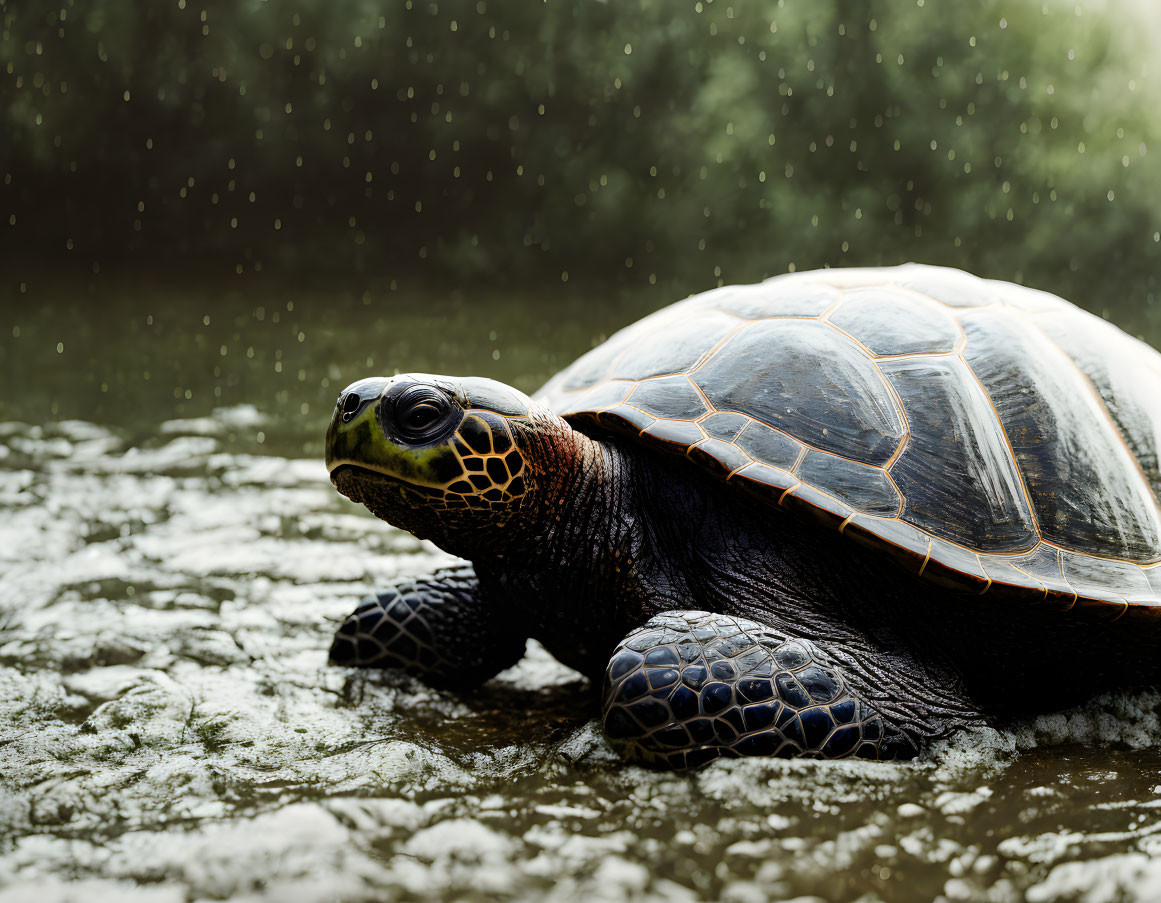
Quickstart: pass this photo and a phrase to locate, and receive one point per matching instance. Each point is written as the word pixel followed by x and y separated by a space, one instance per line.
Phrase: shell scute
pixel 890 322
pixel 767 483
pixel 864 488
pixel 1127 383
pixel 908 545
pixel 817 505
pixel 624 414
pixel 719 457
pixel 957 478
pixel 678 433
pixel 1040 567
pixel 762 302
pixel 769 446
pixel 808 380
pixel 725 425
pixel 1000 569
pixel 956 568
pixel 674 348
pixel 1103 577
pixel 673 397
pixel 602 395
pixel 953 288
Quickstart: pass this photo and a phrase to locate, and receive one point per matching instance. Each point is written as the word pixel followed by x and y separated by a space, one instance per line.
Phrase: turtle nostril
pixel 348 404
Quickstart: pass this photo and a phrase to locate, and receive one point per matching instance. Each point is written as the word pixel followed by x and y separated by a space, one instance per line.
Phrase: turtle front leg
pixel 437 628
pixel 690 687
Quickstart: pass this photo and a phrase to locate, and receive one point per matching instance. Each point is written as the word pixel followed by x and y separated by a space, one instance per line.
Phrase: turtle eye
pixel 421 413
pixel 420 417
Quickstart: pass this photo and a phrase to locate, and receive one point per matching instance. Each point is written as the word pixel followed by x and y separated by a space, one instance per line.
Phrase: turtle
pixel 836 513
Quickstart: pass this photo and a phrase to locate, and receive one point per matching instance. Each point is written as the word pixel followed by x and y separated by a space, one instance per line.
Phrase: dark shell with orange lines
pixel 990 437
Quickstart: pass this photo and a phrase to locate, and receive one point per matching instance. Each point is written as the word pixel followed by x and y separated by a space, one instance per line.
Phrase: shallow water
pixel 172 567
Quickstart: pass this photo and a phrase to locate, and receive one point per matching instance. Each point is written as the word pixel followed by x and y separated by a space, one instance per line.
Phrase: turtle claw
pixel 690 687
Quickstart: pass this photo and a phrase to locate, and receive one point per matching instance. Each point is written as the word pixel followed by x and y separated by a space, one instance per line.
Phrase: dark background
pixel 632 143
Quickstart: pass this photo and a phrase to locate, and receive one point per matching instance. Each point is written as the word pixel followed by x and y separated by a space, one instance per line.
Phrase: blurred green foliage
pixel 645 140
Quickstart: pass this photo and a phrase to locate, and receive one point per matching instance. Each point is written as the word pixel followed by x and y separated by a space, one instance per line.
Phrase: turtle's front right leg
pixel 692 686
pixel 437 628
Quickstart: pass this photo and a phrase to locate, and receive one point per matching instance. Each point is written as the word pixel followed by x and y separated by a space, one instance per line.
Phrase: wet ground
pixel 173 562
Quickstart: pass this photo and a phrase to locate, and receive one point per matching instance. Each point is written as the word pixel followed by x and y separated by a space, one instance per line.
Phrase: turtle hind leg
pixel 438 628
pixel 690 687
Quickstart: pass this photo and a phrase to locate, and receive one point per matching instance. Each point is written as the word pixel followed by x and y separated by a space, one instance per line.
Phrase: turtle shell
pixel 990 437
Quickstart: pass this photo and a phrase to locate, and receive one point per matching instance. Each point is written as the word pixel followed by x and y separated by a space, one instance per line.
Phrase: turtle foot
pixel 690 687
pixel 437 628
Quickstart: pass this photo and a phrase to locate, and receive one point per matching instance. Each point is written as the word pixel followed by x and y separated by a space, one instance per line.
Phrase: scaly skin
pixel 436 627
pixel 690 687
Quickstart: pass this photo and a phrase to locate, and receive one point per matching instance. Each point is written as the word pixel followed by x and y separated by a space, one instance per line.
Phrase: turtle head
pixel 444 458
